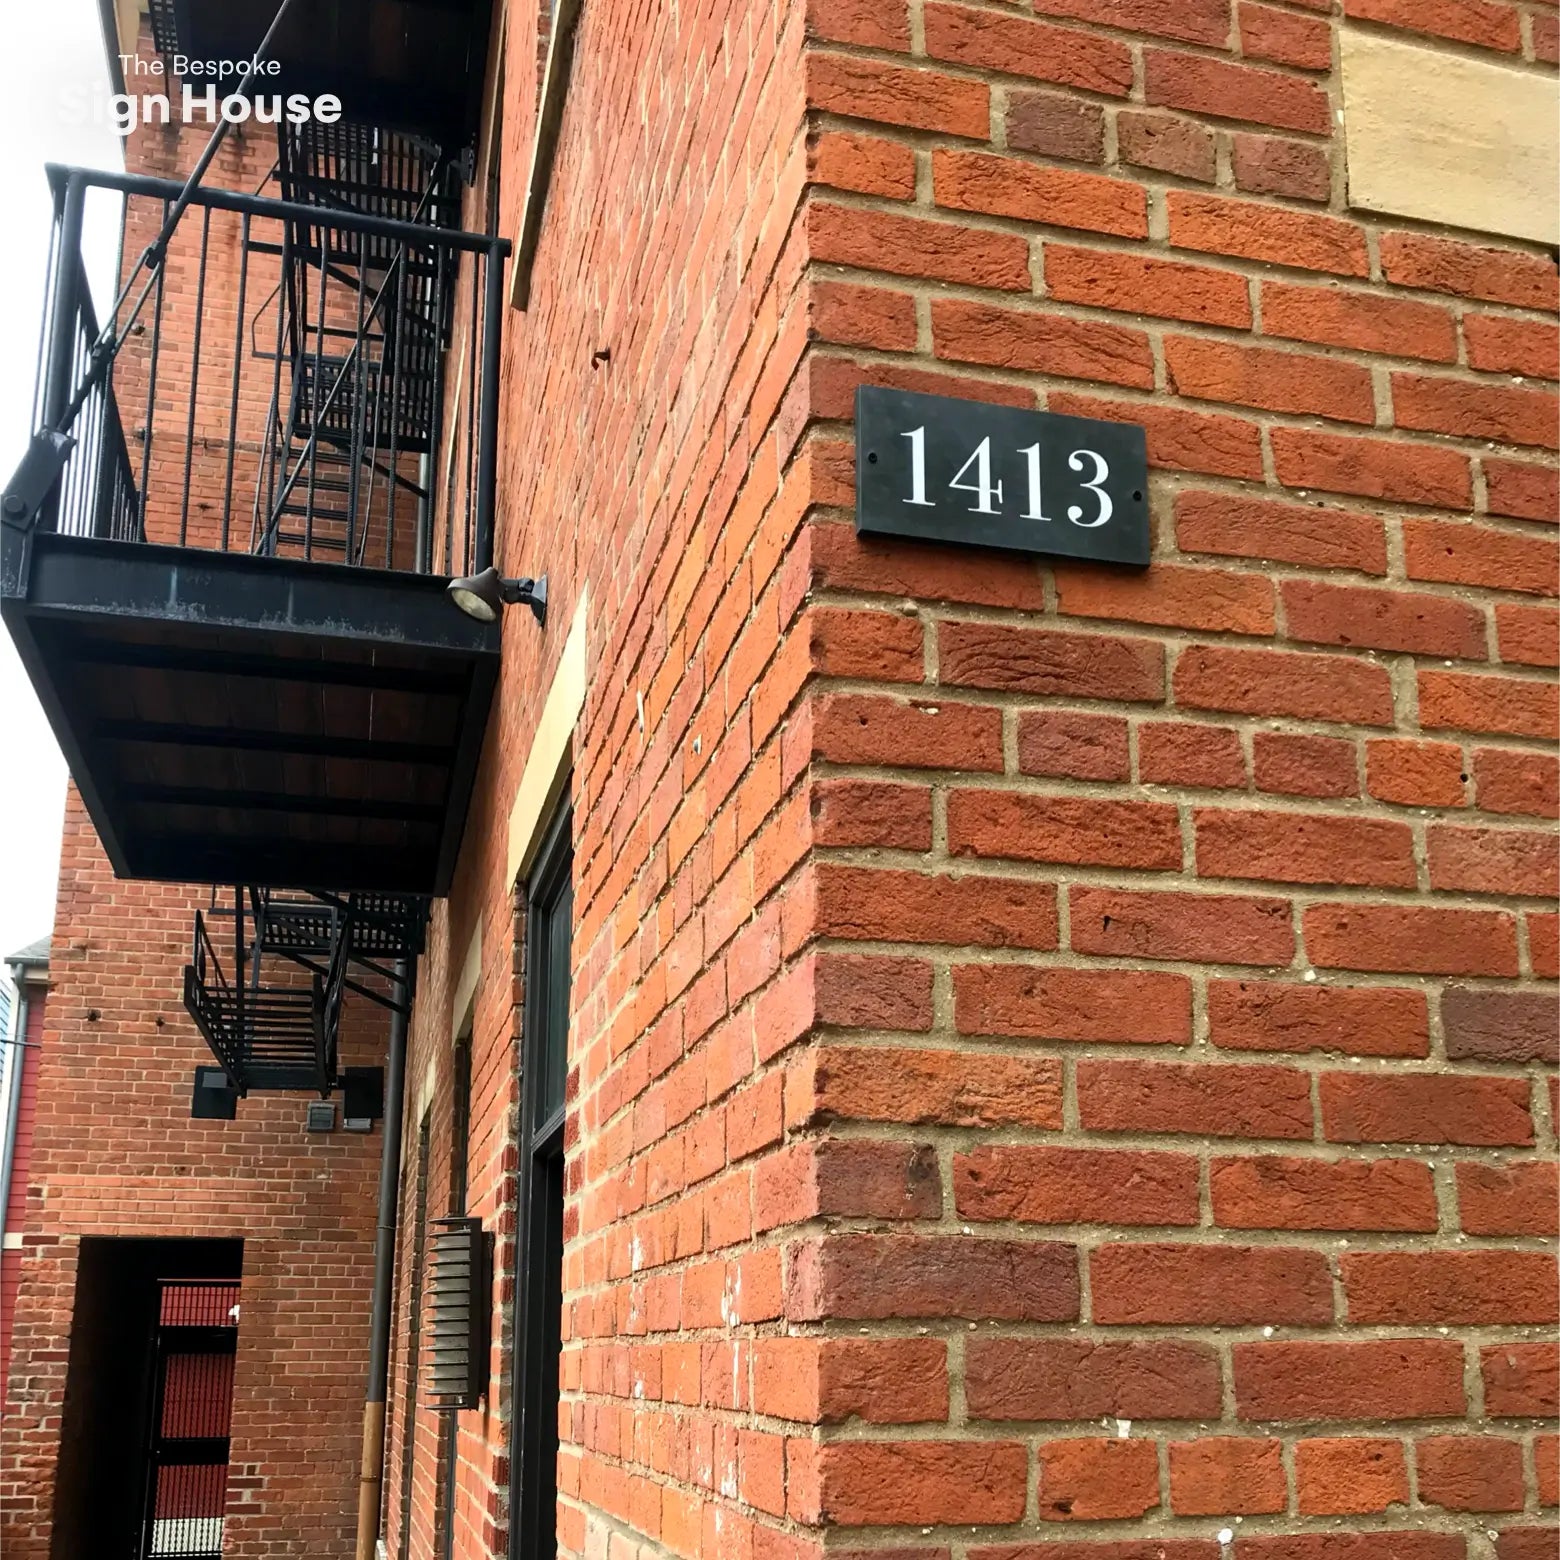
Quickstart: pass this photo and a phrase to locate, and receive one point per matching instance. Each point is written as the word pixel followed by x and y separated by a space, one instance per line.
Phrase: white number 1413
pixel 985 490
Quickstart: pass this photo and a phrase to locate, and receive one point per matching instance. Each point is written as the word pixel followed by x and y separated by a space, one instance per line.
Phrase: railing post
pixel 64 305
pixel 487 448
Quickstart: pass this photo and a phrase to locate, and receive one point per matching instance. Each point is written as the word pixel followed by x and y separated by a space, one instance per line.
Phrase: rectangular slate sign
pixel 948 470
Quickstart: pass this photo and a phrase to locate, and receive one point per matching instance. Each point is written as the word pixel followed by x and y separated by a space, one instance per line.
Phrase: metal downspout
pixel 371 1480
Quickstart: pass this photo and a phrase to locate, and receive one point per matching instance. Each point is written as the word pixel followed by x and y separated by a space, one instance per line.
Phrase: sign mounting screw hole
pixel 872 457
pixel 1138 496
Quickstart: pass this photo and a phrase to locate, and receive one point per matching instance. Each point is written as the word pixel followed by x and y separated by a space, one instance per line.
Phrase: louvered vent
pixel 459 1295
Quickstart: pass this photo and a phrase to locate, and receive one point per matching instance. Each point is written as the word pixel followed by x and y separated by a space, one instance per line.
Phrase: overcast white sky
pixel 57 67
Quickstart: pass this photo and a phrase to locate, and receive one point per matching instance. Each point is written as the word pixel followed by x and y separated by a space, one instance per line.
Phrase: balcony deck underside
pixel 232 719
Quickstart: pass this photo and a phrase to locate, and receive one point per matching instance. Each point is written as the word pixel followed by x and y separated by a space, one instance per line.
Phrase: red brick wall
pixel 1060 1056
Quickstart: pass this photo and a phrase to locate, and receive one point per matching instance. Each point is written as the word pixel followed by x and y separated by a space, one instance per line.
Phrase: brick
pixel 1521 490
pixel 1206 600
pixel 1227 1101
pixel 1527 1543
pixel 1499 344
pixel 1089 1480
pixel 1297 1382
pixel 1543 932
pixel 1266 33
pixel 893 1083
pixel 884 646
pixel 1505 706
pixel 1415 774
pixel 1271 165
pixel 906 733
pixel 884 1382
pixel 865 1483
pixel 1178 440
pixel 876 1277
pixel 1035 1185
pixel 1227 1476
pixel 1521 1380
pixel 1470 1473
pixel 864 316
pixel 868 164
pixel 1210 1286
pixel 1276 1193
pixel 1420 939
pixel 1056 126
pixel 918 99
pixel 1315 535
pixel 865 812
pixel 1275 682
pixel 1180 753
pixel 1295 765
pixel 1474 409
pixel 1459 1288
pixel 1354 1020
pixel 1516 1199
pixel 1493 861
pixel 1040 661
pixel 1480 22
pixel 1375 1545
pixel 864 1179
pixel 1041 1379
pixel 1253 231
pixel 1337 316
pixel 1499 1026
pixel 1021 46
pixel 856 991
pixel 1304 847
pixel 1138 284
pixel 1529 636
pixel 1444 265
pixel 966 332
pixel 1218 928
pixel 1073 744
pixel 909 246
pixel 1167 143
pixel 1199 84
pixel 1482 1112
pixel 1417 624
pixel 1374 468
pixel 1463 554
pixel 874 566
pixel 1060 197
pixel 1507 780
pixel 898 906
pixel 872 24
pixel 1112 1007
pixel 1295 382
pixel 1340 1475
pixel 1192 21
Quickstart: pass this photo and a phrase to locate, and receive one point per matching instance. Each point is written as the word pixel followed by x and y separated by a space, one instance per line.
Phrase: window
pixel 543 1077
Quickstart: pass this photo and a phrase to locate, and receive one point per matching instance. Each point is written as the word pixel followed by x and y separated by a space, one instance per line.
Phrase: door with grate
pixel 192 1411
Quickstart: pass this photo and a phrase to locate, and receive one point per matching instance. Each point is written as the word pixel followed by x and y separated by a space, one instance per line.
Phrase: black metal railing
pixel 308 378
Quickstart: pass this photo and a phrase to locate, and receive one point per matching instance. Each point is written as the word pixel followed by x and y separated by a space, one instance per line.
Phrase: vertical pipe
pixel 371 1479
pixel 62 339
pixel 189 427
pixel 15 1061
pixel 487 456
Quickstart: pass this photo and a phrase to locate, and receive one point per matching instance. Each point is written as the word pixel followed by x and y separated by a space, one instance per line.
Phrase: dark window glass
pixel 460 1145
pixel 544 1073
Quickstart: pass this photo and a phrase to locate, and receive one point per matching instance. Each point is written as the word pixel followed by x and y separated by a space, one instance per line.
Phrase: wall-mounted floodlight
pixel 483 596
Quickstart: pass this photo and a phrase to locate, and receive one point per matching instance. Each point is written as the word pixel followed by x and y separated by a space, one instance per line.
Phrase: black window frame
pixel 533 1496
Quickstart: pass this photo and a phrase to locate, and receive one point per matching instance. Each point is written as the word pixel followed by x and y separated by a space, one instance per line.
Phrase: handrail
pixel 284 210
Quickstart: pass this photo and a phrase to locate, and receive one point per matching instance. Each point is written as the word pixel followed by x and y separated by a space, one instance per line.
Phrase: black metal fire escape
pixel 274 1022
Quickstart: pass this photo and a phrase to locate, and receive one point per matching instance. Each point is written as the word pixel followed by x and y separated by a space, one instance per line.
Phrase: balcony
pixel 232 599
